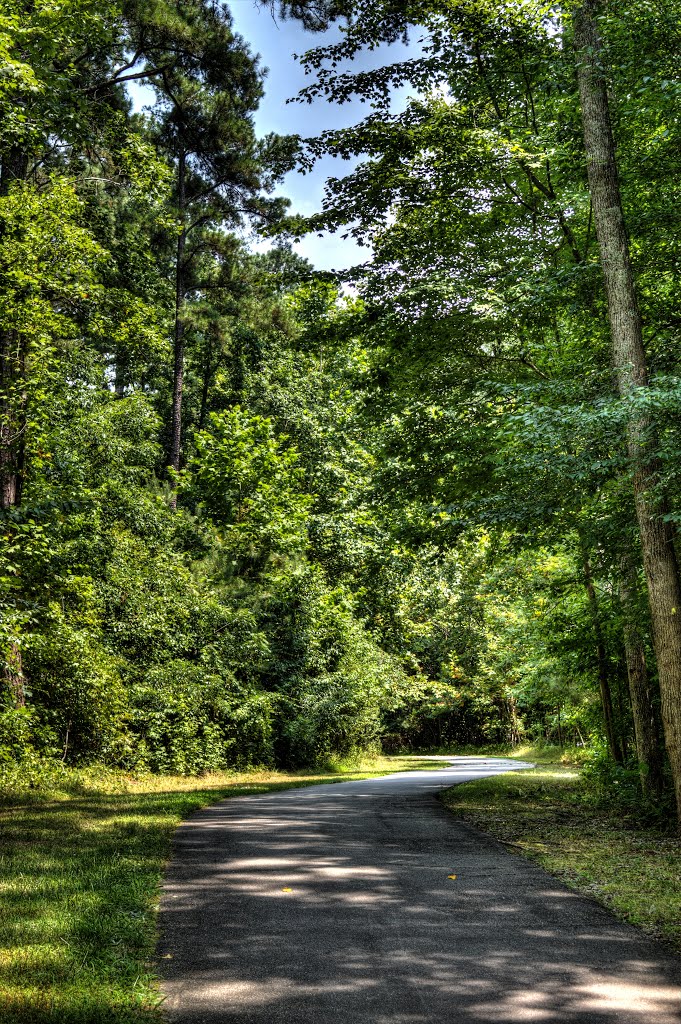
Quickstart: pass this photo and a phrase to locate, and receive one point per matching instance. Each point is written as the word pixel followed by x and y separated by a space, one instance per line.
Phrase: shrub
pixel 188 721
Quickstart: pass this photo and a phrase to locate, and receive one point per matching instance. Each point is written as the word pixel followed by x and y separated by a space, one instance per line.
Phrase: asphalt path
pixel 334 905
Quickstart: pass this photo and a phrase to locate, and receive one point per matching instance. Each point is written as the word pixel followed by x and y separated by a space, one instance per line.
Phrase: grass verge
pixel 549 815
pixel 80 865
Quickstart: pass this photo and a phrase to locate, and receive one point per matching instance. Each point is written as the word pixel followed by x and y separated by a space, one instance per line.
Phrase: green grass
pixel 80 866
pixel 550 816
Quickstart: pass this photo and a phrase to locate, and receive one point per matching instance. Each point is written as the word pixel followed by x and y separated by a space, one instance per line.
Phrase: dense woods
pixel 257 514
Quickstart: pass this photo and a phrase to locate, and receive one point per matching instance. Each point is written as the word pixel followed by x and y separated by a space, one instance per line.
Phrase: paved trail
pixel 373 931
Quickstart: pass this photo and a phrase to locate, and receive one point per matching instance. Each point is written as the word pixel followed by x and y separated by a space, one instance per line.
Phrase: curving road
pixel 332 905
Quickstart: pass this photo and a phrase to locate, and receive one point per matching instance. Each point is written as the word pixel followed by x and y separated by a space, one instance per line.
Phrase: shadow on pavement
pixel 333 905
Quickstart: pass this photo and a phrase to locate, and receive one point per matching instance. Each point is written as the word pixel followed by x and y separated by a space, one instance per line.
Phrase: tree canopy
pixel 256 514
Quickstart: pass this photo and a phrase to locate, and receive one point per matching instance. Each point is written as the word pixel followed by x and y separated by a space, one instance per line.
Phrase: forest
pixel 255 514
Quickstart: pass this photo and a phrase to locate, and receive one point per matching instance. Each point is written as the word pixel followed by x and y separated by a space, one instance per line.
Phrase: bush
pixel 76 685
pixel 188 721
pixel 22 739
pixel 607 779
pixel 332 718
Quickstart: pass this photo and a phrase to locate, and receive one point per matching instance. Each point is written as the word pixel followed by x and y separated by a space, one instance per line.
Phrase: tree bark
pixel 628 353
pixel 13 412
pixel 641 688
pixel 602 664
pixel 14 676
pixel 175 440
pixel 8 475
pixel 12 370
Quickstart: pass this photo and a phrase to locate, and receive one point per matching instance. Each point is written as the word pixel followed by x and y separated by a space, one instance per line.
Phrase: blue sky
pixel 276 42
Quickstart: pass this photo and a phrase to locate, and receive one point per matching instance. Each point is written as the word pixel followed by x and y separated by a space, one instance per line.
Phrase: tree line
pixel 252 516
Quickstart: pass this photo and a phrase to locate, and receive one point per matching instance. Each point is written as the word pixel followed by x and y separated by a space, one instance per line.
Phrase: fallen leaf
pixel 287 889
pixel 167 956
pixel 451 876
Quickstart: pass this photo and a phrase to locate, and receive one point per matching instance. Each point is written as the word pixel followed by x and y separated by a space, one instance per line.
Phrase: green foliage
pixel 22 739
pixel 614 782
pixel 401 511
pixel 335 706
pixel 245 480
pixel 189 721
pixel 77 687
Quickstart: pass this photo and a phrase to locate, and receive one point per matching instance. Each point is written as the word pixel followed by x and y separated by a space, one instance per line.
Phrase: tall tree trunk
pixel 641 689
pixel 13 413
pixel 601 662
pixel 119 384
pixel 14 676
pixel 12 370
pixel 8 425
pixel 657 535
pixel 175 440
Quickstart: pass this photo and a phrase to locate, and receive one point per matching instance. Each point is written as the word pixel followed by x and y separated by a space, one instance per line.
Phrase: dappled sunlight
pixel 368 904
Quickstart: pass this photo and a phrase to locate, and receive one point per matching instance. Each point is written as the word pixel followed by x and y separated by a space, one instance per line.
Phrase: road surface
pixel 334 905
